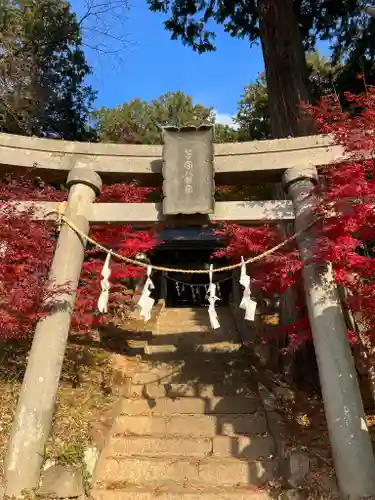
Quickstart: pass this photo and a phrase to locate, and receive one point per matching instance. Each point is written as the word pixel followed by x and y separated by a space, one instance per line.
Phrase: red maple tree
pixel 346 240
pixel 27 247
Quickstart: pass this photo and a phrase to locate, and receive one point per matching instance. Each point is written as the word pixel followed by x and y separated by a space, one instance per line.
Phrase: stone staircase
pixel 194 427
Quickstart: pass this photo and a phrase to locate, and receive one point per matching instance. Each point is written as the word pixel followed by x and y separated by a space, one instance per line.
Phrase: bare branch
pixel 103 25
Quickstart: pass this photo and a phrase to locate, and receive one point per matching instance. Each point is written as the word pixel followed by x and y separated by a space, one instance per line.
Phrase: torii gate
pixel 294 159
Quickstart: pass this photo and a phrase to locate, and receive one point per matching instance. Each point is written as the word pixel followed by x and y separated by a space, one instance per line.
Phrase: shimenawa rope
pixel 134 262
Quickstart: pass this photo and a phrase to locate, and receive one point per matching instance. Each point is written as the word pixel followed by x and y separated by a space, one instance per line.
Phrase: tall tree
pixel 286 69
pixel 276 24
pixel 325 77
pixel 42 70
pixel 140 122
pixel 286 29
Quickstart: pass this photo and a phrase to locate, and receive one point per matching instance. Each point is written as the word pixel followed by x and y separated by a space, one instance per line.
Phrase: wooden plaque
pixel 188 171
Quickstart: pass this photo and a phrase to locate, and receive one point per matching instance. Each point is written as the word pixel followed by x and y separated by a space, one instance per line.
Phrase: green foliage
pixel 187 20
pixel 252 113
pixel 42 70
pixel 253 118
pixel 69 454
pixel 245 193
pixel 344 23
pixel 225 133
pixel 140 122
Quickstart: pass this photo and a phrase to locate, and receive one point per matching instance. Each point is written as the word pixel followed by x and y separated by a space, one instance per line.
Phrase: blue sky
pixel 151 64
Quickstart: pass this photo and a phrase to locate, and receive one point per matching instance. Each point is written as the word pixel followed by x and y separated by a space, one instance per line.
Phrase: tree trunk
pixel 287 84
pixel 286 69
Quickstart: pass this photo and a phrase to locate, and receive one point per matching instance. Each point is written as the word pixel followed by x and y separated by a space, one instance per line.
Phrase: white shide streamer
pixel 247 304
pixel 146 302
pixel 212 298
pixel 105 286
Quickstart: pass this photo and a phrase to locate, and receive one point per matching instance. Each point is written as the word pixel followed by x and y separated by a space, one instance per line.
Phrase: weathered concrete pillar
pixel 351 445
pixel 32 422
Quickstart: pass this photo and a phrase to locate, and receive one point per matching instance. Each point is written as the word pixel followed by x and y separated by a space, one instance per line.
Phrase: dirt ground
pixel 305 430
pixel 85 393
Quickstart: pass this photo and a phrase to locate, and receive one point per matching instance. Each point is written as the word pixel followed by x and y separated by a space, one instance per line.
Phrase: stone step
pixel 149 446
pixel 170 312
pixel 191 425
pixel 231 405
pixel 186 312
pixel 188 337
pixel 244 447
pixel 184 328
pixel 178 323
pixel 151 349
pixel 159 493
pixel 188 371
pixel 193 331
pixel 198 390
pixel 188 471
pixel 200 323
pixel 164 371
pixel 251 448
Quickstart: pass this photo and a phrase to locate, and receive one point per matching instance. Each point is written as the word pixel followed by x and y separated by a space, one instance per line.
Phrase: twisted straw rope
pixel 62 218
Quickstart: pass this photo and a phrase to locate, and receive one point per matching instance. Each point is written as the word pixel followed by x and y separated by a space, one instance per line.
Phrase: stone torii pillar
pixel 351 444
pixel 33 418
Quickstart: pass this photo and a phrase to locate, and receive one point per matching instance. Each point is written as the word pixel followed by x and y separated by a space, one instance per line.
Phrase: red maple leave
pixel 28 248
